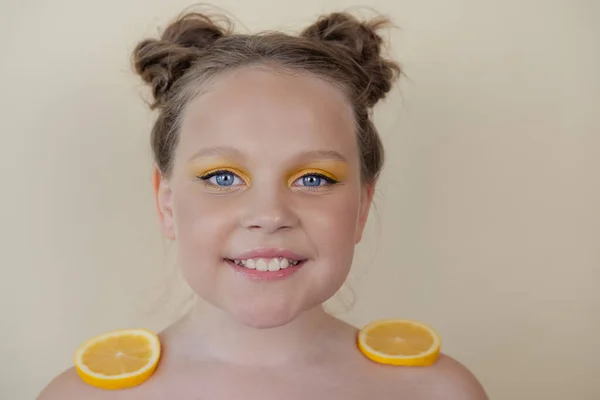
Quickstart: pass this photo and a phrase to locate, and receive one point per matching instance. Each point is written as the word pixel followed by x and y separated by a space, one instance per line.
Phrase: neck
pixel 210 333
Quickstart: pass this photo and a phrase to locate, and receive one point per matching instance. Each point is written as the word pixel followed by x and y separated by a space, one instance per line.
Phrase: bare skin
pixel 269 339
pixel 337 371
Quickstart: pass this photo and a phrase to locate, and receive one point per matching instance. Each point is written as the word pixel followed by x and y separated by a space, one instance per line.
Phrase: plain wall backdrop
pixel 487 222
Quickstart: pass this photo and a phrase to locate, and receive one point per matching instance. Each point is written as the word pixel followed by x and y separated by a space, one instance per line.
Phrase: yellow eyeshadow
pixel 337 171
pixel 202 169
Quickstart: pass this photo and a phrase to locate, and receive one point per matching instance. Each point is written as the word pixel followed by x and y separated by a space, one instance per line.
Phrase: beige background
pixel 488 223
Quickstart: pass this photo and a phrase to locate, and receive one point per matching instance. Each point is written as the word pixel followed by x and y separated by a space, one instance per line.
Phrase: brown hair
pixel 337 48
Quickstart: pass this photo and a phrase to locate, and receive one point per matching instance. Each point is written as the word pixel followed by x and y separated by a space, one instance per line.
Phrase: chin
pixel 261 316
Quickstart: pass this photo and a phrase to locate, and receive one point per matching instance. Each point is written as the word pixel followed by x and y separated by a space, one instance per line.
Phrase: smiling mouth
pixel 267 264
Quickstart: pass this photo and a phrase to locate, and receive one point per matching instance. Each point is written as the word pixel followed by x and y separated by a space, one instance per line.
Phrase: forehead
pixel 260 110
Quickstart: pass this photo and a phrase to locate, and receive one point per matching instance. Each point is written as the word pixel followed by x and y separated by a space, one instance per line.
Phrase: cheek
pixel 333 228
pixel 200 224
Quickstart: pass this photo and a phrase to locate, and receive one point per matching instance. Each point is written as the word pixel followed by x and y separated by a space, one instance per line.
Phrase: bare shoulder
pixel 68 385
pixel 450 380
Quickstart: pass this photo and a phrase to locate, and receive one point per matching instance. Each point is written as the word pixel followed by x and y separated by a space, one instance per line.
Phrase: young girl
pixel 266 163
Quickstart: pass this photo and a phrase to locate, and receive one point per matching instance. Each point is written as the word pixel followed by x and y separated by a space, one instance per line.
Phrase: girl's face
pixel 265 199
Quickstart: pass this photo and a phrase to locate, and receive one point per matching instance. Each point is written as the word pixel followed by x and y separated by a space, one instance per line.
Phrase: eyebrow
pixel 234 153
pixel 323 154
pixel 217 152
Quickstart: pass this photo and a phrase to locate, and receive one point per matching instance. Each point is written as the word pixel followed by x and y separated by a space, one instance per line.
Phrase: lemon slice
pixel 400 342
pixel 118 359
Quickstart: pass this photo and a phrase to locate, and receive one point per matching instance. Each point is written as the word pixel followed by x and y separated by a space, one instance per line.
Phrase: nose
pixel 268 211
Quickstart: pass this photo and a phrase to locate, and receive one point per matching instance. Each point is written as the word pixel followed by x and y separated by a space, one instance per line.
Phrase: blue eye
pixel 225 179
pixel 222 179
pixel 311 180
pixel 314 181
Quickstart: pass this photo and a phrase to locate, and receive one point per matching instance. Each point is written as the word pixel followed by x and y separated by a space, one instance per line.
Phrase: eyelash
pixel 330 181
pixel 205 178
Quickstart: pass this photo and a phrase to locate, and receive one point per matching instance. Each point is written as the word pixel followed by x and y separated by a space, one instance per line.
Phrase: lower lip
pixel 265 275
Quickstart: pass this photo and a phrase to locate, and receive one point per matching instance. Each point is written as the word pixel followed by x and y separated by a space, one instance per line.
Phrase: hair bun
pixel 162 62
pixel 362 41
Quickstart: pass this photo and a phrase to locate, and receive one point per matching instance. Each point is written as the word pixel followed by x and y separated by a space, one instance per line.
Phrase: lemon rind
pixel 425 358
pixel 151 364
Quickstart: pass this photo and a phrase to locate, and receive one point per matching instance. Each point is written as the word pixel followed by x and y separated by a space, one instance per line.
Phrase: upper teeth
pixel 266 264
